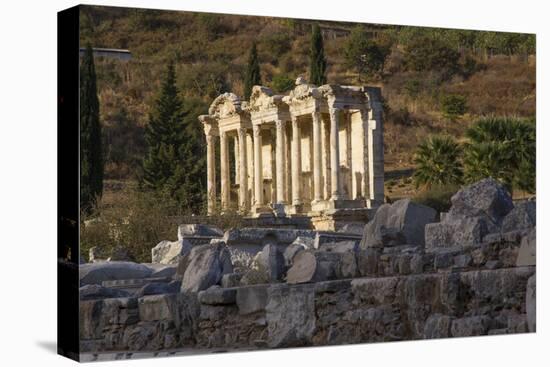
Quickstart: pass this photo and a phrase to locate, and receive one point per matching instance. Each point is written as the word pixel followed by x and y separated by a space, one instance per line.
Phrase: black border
pixel 68 206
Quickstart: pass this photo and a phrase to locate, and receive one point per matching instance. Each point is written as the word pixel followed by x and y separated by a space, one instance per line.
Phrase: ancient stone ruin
pixel 406 275
pixel 317 152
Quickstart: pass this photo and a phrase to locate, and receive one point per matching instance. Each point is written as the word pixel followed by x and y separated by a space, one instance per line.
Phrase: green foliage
pixel 437 197
pixel 453 106
pixel 276 44
pixel 252 77
pixel 282 83
pixel 438 162
pixel 412 88
pixel 503 148
pixel 91 154
pixel 363 54
pixel 317 61
pixel 431 54
pixel 171 167
pixel 136 221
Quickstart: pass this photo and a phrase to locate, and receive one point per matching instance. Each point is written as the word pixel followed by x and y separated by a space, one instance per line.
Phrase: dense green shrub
pixel 428 53
pixel 363 54
pixel 453 106
pixel 437 197
pixel 437 162
pixel 282 83
pixel 503 148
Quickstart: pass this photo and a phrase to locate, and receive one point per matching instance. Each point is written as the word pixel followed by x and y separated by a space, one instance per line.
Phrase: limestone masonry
pixel 405 275
pixel 315 152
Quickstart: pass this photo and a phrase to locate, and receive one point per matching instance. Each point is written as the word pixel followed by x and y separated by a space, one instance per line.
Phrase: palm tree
pixel 503 148
pixel 437 162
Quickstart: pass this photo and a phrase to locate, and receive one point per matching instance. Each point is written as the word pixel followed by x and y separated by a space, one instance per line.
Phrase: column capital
pixel 279 124
pixel 256 130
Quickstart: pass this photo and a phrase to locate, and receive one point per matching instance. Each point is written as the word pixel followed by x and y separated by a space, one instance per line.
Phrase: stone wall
pixel 423 306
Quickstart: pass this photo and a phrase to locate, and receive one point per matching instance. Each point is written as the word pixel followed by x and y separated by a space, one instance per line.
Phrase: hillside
pixel 494 72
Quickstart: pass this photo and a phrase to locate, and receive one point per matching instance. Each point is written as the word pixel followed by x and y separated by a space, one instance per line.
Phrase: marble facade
pixel 315 150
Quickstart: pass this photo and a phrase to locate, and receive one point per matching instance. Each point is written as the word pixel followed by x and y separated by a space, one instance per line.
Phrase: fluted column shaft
pixel 279 160
pixel 317 164
pixel 224 170
pixel 296 153
pixel 258 179
pixel 335 154
pixel 243 176
pixel 210 174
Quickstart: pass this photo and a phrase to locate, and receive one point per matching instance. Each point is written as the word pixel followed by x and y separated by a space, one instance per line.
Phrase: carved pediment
pixel 225 105
pixel 263 98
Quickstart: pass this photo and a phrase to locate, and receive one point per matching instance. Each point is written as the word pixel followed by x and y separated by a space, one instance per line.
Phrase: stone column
pixel 224 170
pixel 210 173
pixel 279 160
pixel 317 163
pixel 376 146
pixel 296 162
pixel 236 152
pixel 258 178
pixel 243 176
pixel 335 154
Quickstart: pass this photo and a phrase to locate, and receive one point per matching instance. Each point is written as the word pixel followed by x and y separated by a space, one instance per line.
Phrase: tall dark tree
pixel 91 155
pixel 317 61
pixel 172 166
pixel 253 76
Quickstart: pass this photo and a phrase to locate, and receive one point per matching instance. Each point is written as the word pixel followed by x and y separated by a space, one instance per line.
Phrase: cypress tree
pixel 252 72
pixel 91 155
pixel 172 166
pixel 317 61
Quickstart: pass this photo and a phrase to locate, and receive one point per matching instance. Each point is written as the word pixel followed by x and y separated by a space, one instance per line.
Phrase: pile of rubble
pixel 408 275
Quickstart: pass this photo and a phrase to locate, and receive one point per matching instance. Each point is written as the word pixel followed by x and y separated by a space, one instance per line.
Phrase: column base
pixel 258 210
pixel 294 208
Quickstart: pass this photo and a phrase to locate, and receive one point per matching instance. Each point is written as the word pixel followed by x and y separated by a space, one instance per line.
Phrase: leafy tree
pixel 363 54
pixel 282 83
pixel 503 148
pixel 317 61
pixel 429 53
pixel 171 167
pixel 91 154
pixel 453 106
pixel 252 72
pixel 438 162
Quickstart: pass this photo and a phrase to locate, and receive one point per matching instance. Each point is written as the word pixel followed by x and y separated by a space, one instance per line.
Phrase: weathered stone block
pixel 251 299
pixel 218 296
pixel 527 254
pixel 531 303
pixel 167 252
pixel 96 273
pixel 399 223
pixel 290 316
pixel 207 264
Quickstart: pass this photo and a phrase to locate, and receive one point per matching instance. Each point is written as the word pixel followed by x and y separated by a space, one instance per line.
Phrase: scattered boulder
pixel 527 253
pixel 203 230
pixel 162 271
pixel 291 251
pixel 96 273
pixel 96 291
pixel 477 210
pixel 485 197
pixel 95 254
pixel 159 288
pixel 207 264
pixel 352 228
pixel 272 262
pixel 340 247
pixel 399 223
pixel 168 252
pixel 231 280
pixel 523 216
pixel 313 266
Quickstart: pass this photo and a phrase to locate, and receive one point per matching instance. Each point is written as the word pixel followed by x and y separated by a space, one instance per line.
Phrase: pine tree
pixel 318 63
pixel 172 167
pixel 91 155
pixel 252 72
